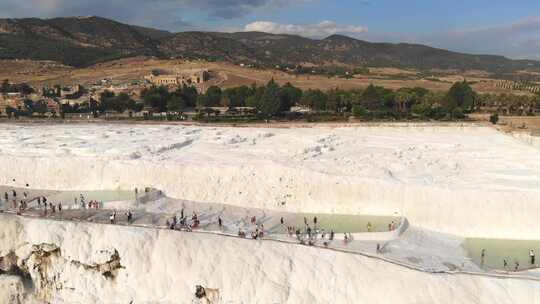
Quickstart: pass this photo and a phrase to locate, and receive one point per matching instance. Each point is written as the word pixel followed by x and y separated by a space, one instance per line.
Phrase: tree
pixel 334 102
pixel 6 86
pixel 176 103
pixel 202 101
pixel 359 111
pixel 225 101
pixel 213 96
pixel 371 98
pixel 270 103
pixel 494 118
pixel 156 98
pixel 290 96
pixel 251 101
pixel 402 97
pixel 461 95
pixel 314 99
pixel 189 94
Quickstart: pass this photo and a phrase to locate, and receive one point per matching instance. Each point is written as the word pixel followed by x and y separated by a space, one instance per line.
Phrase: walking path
pixel 415 249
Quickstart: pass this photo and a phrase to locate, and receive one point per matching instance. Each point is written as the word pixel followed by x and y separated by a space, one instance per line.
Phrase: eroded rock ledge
pixel 41 268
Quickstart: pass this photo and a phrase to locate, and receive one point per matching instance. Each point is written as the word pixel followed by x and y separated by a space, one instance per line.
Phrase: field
pixel 228 75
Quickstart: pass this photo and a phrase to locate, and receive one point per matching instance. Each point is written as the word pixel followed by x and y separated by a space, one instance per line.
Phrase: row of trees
pixel 272 99
pixel 22 88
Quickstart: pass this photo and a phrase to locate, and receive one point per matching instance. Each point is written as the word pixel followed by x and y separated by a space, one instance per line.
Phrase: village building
pixel 180 77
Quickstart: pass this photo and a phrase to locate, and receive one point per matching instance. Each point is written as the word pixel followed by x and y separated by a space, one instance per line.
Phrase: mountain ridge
pixel 83 41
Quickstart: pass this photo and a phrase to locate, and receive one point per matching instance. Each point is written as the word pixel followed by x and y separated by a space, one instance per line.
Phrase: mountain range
pixel 83 41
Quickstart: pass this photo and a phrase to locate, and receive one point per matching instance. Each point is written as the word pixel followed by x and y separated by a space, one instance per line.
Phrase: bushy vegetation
pixel 275 101
pixel 22 88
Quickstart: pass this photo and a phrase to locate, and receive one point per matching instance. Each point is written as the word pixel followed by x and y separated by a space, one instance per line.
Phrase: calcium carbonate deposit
pixel 441 184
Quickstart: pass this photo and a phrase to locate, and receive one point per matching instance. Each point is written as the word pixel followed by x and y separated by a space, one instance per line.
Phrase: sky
pixel 499 27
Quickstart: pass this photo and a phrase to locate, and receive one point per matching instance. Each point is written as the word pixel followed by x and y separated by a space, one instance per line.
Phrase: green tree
pixel 156 98
pixel 359 111
pixel 213 96
pixel 6 86
pixel 270 102
pixel 314 99
pixel 290 96
pixel 176 103
pixel 461 95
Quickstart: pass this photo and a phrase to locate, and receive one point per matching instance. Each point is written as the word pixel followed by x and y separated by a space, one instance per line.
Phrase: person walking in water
pixel 482 257
pixel 532 255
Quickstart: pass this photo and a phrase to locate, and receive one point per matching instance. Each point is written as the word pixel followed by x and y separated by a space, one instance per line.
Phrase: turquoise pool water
pixel 496 251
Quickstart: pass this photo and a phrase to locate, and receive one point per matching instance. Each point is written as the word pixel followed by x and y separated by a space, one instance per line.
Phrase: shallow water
pixel 343 223
pixel 68 197
pixel 498 250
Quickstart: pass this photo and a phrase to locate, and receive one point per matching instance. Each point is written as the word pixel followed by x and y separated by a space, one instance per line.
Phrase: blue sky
pixel 510 28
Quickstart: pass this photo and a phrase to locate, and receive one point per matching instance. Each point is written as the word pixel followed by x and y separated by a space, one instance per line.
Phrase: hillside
pixel 82 41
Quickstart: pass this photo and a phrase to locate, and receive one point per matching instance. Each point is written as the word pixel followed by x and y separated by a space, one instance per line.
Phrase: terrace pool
pixel 498 250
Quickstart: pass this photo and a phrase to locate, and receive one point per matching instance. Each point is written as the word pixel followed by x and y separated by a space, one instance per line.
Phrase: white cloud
pixel 322 29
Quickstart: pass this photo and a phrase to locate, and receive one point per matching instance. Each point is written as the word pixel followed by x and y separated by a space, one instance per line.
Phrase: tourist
pixel 331 235
pixel 323 234
pixel 315 220
pixel 253 220
pixel 369 226
pixel 241 233
pixel 39 201
pixel 75 201
pixel 220 222
pixel 517 266
pixel 305 221
pixel 378 248
pixel 182 213
pixel 6 196
pixel 112 218
pixel 532 256
pixel 505 264
pixel 59 207
pixel 129 215
pixel 345 239
pixel 53 208
pixel 25 195
pixel 44 200
pixel 281 221
pixel 482 257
